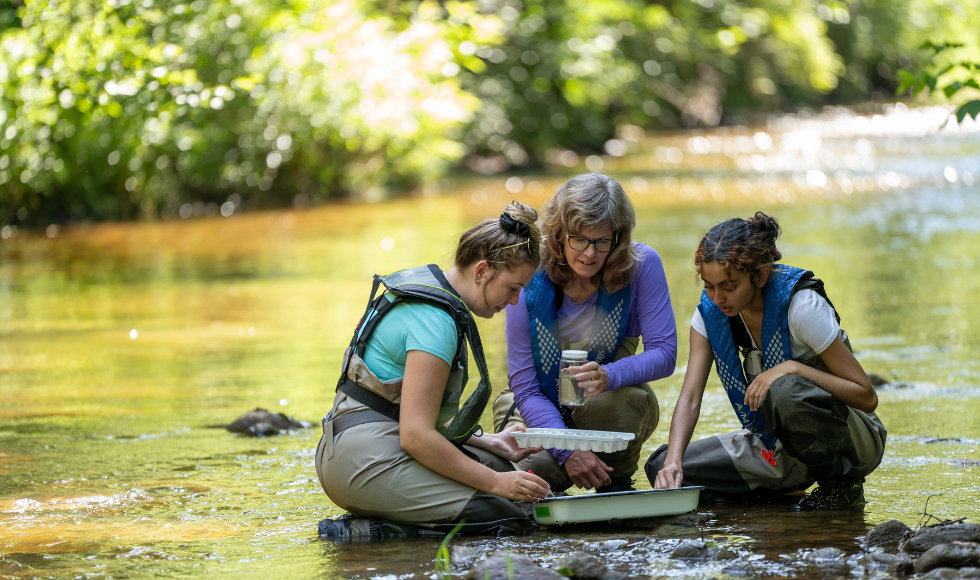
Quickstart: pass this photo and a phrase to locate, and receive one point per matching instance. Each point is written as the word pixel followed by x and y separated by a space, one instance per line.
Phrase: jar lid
pixel 575 354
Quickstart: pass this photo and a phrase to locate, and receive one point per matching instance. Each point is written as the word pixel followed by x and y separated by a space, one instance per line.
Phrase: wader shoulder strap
pixel 809 282
pixel 466 420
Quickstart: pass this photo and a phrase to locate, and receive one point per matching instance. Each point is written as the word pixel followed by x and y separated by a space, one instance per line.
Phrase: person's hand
pixel 669 477
pixel 761 384
pixel 519 486
pixel 504 445
pixel 591 377
pixel 586 470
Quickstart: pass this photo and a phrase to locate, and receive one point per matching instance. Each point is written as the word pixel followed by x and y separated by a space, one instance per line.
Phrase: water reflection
pixel 121 343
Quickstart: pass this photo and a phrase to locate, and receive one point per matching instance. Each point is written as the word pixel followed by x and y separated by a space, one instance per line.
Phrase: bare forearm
pixel 682 424
pixel 433 451
pixel 851 393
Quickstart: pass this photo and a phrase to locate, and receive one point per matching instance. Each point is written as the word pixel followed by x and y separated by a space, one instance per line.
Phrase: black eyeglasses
pixel 581 244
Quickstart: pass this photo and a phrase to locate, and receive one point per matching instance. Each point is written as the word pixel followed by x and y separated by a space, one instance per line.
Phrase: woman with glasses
pixel 597 291
pixel 805 404
pixel 398 445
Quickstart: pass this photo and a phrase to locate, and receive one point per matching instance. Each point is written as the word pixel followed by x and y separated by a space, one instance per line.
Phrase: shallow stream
pixel 121 344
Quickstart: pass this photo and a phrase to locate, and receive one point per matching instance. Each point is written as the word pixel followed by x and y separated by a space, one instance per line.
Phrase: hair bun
pixel 509 224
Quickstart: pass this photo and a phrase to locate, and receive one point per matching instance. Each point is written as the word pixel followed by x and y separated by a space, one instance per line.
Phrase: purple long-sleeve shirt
pixel 650 316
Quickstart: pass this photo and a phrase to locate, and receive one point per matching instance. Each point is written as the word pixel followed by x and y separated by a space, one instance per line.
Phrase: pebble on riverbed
pixel 702 551
pixel 262 423
pixel 585 566
pixel 504 565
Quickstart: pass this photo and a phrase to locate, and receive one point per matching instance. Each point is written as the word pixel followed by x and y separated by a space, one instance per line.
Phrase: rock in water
pixel 825 555
pixel 958 555
pixel 876 381
pixel 585 566
pixel 703 551
pixel 495 567
pixel 890 532
pixel 902 565
pixel 935 535
pixel 261 423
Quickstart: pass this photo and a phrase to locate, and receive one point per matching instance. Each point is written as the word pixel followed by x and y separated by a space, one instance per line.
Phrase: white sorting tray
pixel 573 439
pixel 620 505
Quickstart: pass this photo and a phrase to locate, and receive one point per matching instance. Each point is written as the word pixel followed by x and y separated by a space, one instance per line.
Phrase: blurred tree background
pixel 146 109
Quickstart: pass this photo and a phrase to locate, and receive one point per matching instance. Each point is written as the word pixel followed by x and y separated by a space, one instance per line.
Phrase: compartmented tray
pixel 621 505
pixel 574 439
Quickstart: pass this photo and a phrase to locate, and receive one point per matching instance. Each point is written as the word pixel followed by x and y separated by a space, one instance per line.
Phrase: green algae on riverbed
pixel 107 467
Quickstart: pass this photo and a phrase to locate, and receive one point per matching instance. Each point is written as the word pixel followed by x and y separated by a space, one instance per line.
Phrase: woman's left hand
pixel 758 388
pixel 505 446
pixel 591 377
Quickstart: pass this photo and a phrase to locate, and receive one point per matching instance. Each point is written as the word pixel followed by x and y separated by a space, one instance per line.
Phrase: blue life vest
pixel 776 295
pixel 611 317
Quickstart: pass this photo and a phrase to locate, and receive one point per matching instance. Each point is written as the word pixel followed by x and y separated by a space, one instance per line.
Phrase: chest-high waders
pixel 629 409
pixel 800 434
pixel 360 462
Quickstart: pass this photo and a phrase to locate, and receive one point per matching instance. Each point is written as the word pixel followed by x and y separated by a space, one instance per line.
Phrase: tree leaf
pixel 971 109
pixel 950 90
pixel 906 81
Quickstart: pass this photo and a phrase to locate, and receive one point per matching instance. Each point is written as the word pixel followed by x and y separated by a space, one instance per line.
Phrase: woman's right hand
pixel 519 486
pixel 586 470
pixel 669 477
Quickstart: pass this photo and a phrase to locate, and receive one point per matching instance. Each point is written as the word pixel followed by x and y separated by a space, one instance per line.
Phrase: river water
pixel 121 344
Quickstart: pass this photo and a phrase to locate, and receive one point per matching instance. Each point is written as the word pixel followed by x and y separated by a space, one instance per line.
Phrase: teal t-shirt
pixel 409 326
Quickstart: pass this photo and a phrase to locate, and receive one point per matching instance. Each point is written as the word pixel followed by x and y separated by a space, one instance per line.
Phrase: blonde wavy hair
pixel 589 200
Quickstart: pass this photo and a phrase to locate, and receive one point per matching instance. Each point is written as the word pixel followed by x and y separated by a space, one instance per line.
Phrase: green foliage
pixel 570 72
pixel 442 564
pixel 119 110
pixel 951 72
pixel 138 109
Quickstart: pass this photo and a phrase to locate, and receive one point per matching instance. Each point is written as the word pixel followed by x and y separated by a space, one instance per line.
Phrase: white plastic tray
pixel 621 505
pixel 574 439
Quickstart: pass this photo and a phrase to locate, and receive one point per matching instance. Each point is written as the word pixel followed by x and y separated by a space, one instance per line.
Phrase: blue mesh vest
pixel 777 294
pixel 611 317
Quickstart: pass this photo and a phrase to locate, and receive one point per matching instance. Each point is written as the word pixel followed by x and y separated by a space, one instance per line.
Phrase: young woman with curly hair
pixel 597 291
pixel 806 405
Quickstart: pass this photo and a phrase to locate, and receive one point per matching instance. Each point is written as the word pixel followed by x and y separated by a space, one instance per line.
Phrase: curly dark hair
pixel 743 245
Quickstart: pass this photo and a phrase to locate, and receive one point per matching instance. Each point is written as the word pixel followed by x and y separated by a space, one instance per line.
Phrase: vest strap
pixel 372 400
pixel 355 418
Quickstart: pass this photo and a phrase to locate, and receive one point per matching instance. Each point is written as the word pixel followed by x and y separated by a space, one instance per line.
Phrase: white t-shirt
pixel 812 325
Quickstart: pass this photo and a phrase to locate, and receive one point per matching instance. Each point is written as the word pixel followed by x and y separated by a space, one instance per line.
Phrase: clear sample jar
pixel 569 393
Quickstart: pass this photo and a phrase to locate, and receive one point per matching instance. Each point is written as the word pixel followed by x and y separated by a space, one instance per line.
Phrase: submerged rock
pixel 902 565
pixel 585 566
pixel 496 567
pixel 261 423
pixel 935 535
pixel 699 550
pixel 694 519
pixel 890 532
pixel 613 545
pixel 956 555
pixel 825 555
pixel 878 560
pixel 465 556
pixel 942 574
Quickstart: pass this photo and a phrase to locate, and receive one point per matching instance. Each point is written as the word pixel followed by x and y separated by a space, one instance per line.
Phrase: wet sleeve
pixel 536 409
pixel 812 321
pixel 651 305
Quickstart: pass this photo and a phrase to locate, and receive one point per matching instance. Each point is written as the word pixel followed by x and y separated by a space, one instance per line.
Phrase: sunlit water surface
pixel 120 345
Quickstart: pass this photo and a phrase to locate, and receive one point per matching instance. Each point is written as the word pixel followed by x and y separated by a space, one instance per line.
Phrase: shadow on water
pixel 121 343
